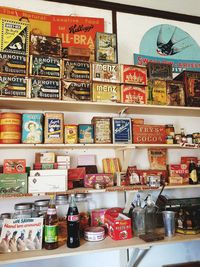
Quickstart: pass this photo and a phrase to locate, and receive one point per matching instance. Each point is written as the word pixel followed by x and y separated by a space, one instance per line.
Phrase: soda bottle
pixel 73 224
pixel 51 226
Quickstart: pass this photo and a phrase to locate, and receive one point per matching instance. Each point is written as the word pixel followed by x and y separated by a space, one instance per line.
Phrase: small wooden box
pixel 13 64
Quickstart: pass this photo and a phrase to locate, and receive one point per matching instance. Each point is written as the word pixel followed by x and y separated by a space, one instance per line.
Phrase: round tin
pixel 10 128
pixel 93 233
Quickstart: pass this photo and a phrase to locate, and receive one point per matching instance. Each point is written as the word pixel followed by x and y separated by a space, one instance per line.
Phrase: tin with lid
pixel 94 233
pixel 23 210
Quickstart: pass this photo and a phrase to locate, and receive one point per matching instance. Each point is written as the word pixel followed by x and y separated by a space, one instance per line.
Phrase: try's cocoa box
pixel 149 134
pixel 106 92
pixel 102 72
pixel 76 70
pixel 132 74
pixel 13 86
pixel 179 170
pixel 76 91
pixel 156 92
pixel 102 130
pixel 13 64
pixel 14 166
pixel 159 71
pixel 106 179
pixel 175 93
pixel 133 94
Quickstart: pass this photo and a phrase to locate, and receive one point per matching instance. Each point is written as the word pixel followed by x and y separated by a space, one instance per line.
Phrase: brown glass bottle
pixel 51 226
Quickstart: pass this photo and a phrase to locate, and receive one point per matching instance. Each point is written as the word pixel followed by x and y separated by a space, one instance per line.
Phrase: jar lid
pixel 41 203
pixel 23 206
pixel 81 196
pixel 5 215
pixel 94 229
pixel 61 199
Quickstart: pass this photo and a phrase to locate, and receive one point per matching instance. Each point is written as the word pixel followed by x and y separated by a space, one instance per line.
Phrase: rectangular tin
pixel 102 130
pixel 76 91
pixel 13 86
pixel 44 88
pixel 76 70
pixel 53 128
pixel 102 72
pixel 157 158
pixel 106 92
pixel 44 66
pixel 32 128
pixel 175 93
pixel 133 94
pixel 14 166
pixel 13 64
pixel 86 133
pixel 122 132
pixel 156 92
pixel 13 183
pixel 159 71
pixel 106 47
pixel 132 74
pixel 42 45
pixel 105 179
pixel 71 134
pixel 78 53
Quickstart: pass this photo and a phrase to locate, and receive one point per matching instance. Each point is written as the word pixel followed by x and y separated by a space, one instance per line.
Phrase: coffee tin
pixel 53 128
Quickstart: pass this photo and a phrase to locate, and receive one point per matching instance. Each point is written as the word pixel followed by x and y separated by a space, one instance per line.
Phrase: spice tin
pixel 45 66
pixel 71 134
pixel 86 133
pixel 13 183
pixel 175 93
pixel 32 128
pixel 106 92
pixel 13 64
pixel 93 233
pixel 156 92
pixel 44 88
pixel 133 94
pixel 45 45
pixel 14 166
pixel 10 128
pixel 76 91
pixel 159 71
pixel 53 128
pixel 13 86
pixel 14 36
pixel 76 70
pixel 122 132
pixel 102 72
pixel 132 74
pixel 102 130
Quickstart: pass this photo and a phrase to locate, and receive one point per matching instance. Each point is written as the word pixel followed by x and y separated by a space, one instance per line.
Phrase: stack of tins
pixel 10 128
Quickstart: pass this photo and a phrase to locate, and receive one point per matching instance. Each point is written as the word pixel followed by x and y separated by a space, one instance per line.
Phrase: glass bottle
pixel 51 226
pixel 183 136
pixel 150 215
pixel 138 218
pixel 192 173
pixel 73 224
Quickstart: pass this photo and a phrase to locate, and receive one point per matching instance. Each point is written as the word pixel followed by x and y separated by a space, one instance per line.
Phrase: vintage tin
pixel 53 128
pixel 94 234
pixel 86 133
pixel 106 47
pixel 44 66
pixel 105 179
pixel 179 170
pixel 132 74
pixel 102 130
pixel 161 71
pixel 76 91
pixel 13 183
pixel 14 166
pixel 71 134
pixel 102 72
pixel 106 92
pixel 97 217
pixel 133 94
pixel 122 132
pixel 76 70
pixel 175 93
pixel 32 128
pixel 156 92
pixel 10 128
pixel 13 86
pixel 137 121
pixel 78 53
pixel 45 45
pixel 44 88
pixel 14 36
pixel 13 64
pixel 157 158
pixel 149 134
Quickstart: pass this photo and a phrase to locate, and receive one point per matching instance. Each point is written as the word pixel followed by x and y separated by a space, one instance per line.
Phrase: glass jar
pixel 23 210
pixel 62 205
pixel 41 207
pixel 83 208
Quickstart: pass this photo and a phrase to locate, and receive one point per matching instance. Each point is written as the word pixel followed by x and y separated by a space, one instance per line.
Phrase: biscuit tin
pixel 13 64
pixel 44 88
pixel 14 166
pixel 78 53
pixel 175 93
pixel 76 91
pixel 122 132
pixel 53 128
pixel 13 183
pixel 157 92
pixel 133 74
pixel 102 130
pixel 86 133
pixel 102 72
pixel 76 70
pixel 32 128
pixel 106 92
pixel 44 66
pixel 13 86
pixel 71 134
pixel 159 71
pixel 133 94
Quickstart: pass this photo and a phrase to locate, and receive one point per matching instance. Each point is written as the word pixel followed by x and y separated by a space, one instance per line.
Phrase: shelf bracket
pixel 137 256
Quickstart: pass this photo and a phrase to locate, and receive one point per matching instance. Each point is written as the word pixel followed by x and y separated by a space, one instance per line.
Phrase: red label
pixel 133 75
pixel 133 94
pixel 73 218
pixel 51 211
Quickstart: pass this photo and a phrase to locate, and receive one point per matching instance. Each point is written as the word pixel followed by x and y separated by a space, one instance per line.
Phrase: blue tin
pixel 86 133
pixel 122 133
pixel 32 128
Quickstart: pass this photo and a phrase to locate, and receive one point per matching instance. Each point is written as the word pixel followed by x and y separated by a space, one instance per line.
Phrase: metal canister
pixel 94 233
pixel 10 128
pixel 23 210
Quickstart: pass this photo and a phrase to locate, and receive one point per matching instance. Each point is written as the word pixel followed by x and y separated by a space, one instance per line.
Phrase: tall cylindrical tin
pixel 10 128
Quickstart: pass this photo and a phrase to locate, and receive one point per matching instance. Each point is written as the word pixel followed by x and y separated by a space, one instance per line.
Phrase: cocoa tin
pixel 122 132
pixel 86 133
pixel 106 92
pixel 132 74
pixel 102 72
pixel 13 86
pixel 93 233
pixel 159 71
pixel 44 66
pixel 102 130
pixel 157 92
pixel 76 91
pixel 133 94
pixel 71 134
pixel 13 64
pixel 53 128
pixel 175 93
pixel 76 70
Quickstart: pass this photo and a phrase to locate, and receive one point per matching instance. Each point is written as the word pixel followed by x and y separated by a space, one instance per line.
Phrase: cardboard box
pixel 46 157
pixel 97 217
pixel 48 172
pixel 102 72
pixel 131 74
pixel 104 179
pixel 86 160
pixel 14 166
pixel 179 170
pixel 111 165
pixel 13 183
pixel 78 53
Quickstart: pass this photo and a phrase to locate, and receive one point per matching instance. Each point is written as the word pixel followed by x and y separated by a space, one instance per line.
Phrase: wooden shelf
pixel 86 106
pixel 91 247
